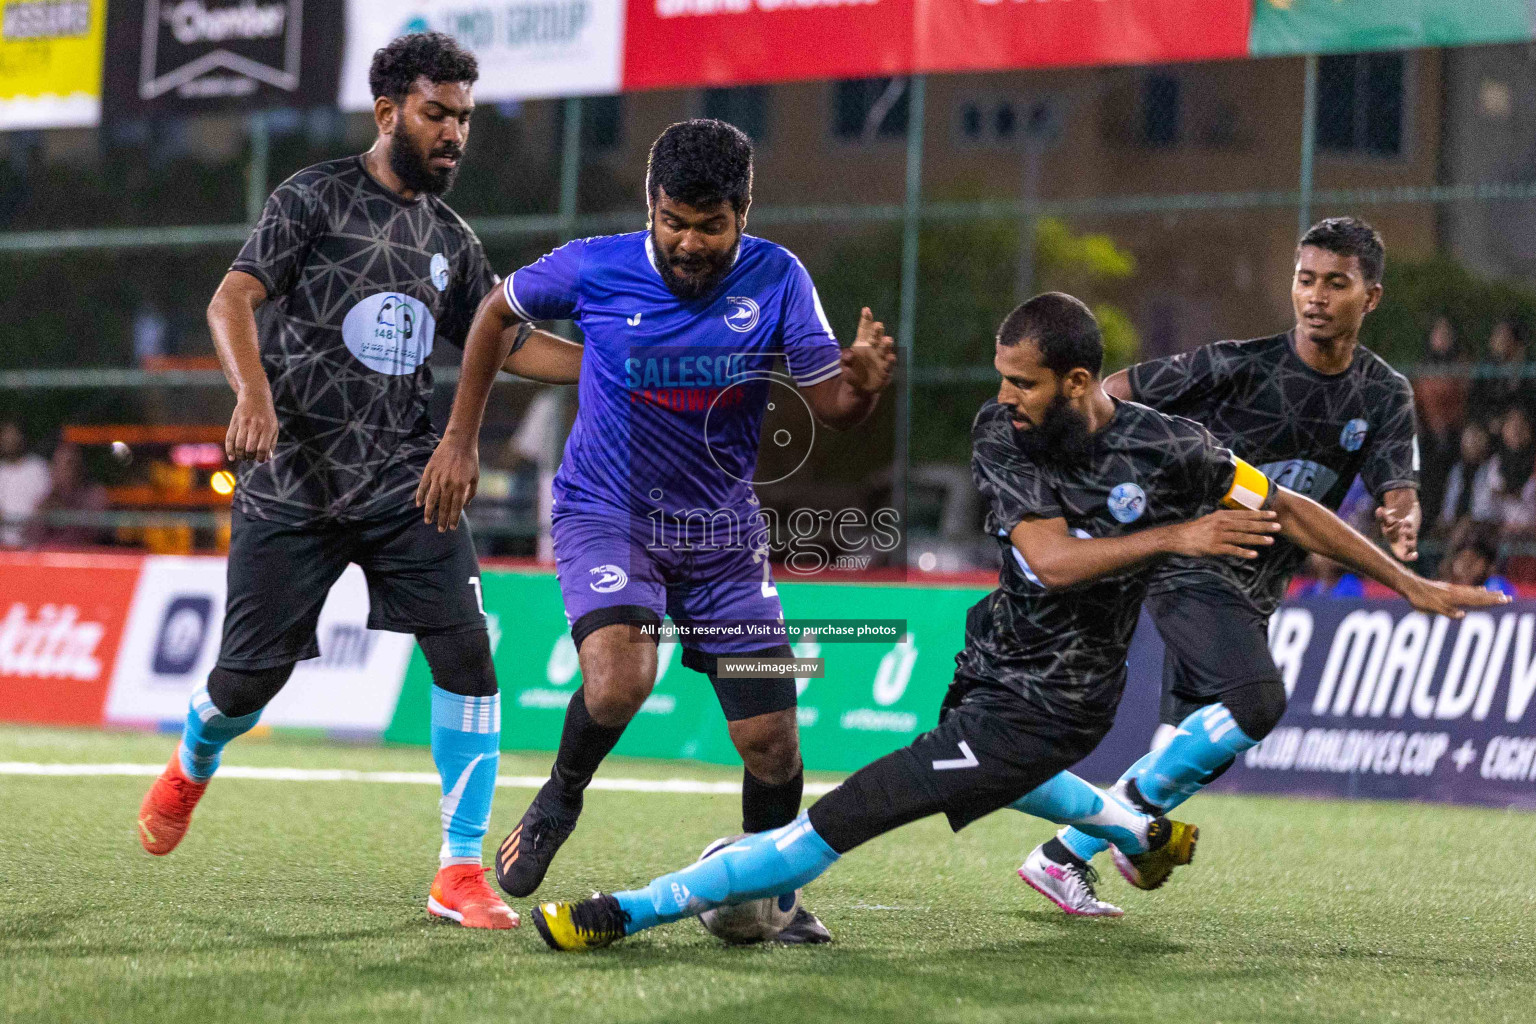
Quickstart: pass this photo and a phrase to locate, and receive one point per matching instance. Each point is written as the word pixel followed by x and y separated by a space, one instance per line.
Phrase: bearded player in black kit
pixel 323 325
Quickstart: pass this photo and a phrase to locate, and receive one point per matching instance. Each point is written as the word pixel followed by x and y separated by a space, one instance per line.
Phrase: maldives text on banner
pixel 526 49
pixel 50 63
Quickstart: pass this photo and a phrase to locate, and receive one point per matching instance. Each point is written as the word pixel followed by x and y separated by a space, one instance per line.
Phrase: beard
pixel 1061 437
pixel 688 288
pixel 414 172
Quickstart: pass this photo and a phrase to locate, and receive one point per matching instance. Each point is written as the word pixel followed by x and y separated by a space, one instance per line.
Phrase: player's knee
pixel 240 692
pixel 769 746
pixel 618 670
pixel 1257 707
pixel 460 662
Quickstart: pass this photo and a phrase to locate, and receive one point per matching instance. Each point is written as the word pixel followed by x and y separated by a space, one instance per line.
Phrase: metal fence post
pixel 911 224
pixel 257 170
pixel 1308 145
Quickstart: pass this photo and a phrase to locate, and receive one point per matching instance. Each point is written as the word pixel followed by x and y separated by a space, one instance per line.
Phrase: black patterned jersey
pixel 1063 650
pixel 1307 431
pixel 361 285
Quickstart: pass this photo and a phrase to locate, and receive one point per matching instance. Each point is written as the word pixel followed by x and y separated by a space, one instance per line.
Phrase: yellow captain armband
pixel 1250 488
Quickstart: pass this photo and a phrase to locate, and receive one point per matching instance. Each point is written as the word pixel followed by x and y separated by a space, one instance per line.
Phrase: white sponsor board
pixel 526 48
pixel 171 641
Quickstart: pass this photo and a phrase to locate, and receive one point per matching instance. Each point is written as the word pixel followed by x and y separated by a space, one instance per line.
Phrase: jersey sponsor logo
pixel 633 321
pixel 743 314
pixel 1353 435
pixel 1127 502
pixel 1302 476
pixel 439 271
pixel 389 332
pixel 609 578
pixel 183 628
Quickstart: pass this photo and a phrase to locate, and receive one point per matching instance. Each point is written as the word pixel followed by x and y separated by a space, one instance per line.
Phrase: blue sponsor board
pixel 1385 703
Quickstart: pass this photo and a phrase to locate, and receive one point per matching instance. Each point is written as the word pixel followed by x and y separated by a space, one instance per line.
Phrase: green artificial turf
pixel 304 901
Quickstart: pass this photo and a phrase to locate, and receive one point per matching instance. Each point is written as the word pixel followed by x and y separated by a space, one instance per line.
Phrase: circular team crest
pixel 609 578
pixel 439 271
pixel 1353 435
pixel 742 315
pixel 1127 502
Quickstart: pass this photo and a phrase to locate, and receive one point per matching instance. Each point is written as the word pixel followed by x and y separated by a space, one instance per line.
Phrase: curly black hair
pixel 433 55
pixel 1350 236
pixel 701 162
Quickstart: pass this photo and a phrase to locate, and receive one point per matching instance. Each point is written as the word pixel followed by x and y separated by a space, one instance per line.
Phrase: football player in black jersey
pixel 324 324
pixel 1086 494
pixel 1311 408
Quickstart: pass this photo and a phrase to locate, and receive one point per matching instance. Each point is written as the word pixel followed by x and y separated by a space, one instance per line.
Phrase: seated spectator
pixel 1514 474
pixel 1469 490
pixel 69 492
pixel 24 483
pixel 1327 578
pixel 1474 561
pixel 1491 397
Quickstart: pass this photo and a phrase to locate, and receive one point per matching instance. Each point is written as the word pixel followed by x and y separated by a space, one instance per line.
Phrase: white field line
pixel 407 778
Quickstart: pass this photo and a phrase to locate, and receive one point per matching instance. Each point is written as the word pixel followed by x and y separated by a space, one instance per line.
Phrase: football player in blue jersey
pixel 654 511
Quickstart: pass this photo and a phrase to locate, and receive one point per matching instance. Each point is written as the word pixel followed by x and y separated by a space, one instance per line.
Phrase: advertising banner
pixel 50 63
pixel 172 642
pixel 1385 703
pixel 526 48
pixel 199 56
pixel 61 620
pixel 1348 26
pixel 675 43
pixel 874 698
pixel 976 35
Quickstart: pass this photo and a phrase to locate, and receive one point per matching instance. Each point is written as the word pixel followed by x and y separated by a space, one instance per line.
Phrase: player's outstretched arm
pixel 846 400
pixel 495 341
pixel 1058 559
pixel 1305 522
pixel 232 322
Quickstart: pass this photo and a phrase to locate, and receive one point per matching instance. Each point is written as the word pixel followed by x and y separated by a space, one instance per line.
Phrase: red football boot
pixel 166 812
pixel 460 893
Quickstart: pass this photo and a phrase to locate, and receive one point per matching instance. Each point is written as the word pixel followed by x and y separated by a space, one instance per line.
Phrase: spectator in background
pixel 1491 397
pixel 1327 578
pixel 1441 396
pixel 1474 560
pixel 1514 473
pixel 24 483
pixel 1469 490
pixel 69 491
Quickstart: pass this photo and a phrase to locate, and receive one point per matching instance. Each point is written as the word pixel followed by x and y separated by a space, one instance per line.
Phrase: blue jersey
pixel 673 391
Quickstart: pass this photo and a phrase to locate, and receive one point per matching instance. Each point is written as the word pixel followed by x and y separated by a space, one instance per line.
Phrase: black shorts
pixel 1216 642
pixel 419 581
pixel 978 760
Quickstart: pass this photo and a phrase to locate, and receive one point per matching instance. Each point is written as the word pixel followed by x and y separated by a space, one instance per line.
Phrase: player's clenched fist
pixel 1236 532
pixel 252 430
pixel 870 360
pixel 448 483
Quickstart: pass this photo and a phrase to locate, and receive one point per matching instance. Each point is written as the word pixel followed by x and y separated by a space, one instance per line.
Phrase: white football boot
pixel 1068 886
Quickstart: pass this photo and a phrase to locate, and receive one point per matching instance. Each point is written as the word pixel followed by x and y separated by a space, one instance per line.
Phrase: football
pixel 741 924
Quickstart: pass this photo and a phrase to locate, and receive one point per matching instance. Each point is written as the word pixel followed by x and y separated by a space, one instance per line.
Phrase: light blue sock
pixel 1078 840
pixel 466 747
pixel 207 731
pixel 762 864
pixel 1068 800
pixel 1203 743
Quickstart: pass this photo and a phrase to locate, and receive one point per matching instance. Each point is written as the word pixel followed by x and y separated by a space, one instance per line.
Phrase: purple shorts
pixel 612 568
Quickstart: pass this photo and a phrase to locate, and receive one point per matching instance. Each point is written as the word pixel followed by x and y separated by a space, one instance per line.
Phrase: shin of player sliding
pixel 1085 494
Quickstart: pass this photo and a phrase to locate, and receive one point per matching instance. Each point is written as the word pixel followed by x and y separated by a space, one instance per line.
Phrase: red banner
pixel 673 43
pixel 979 35
pixel 61 620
